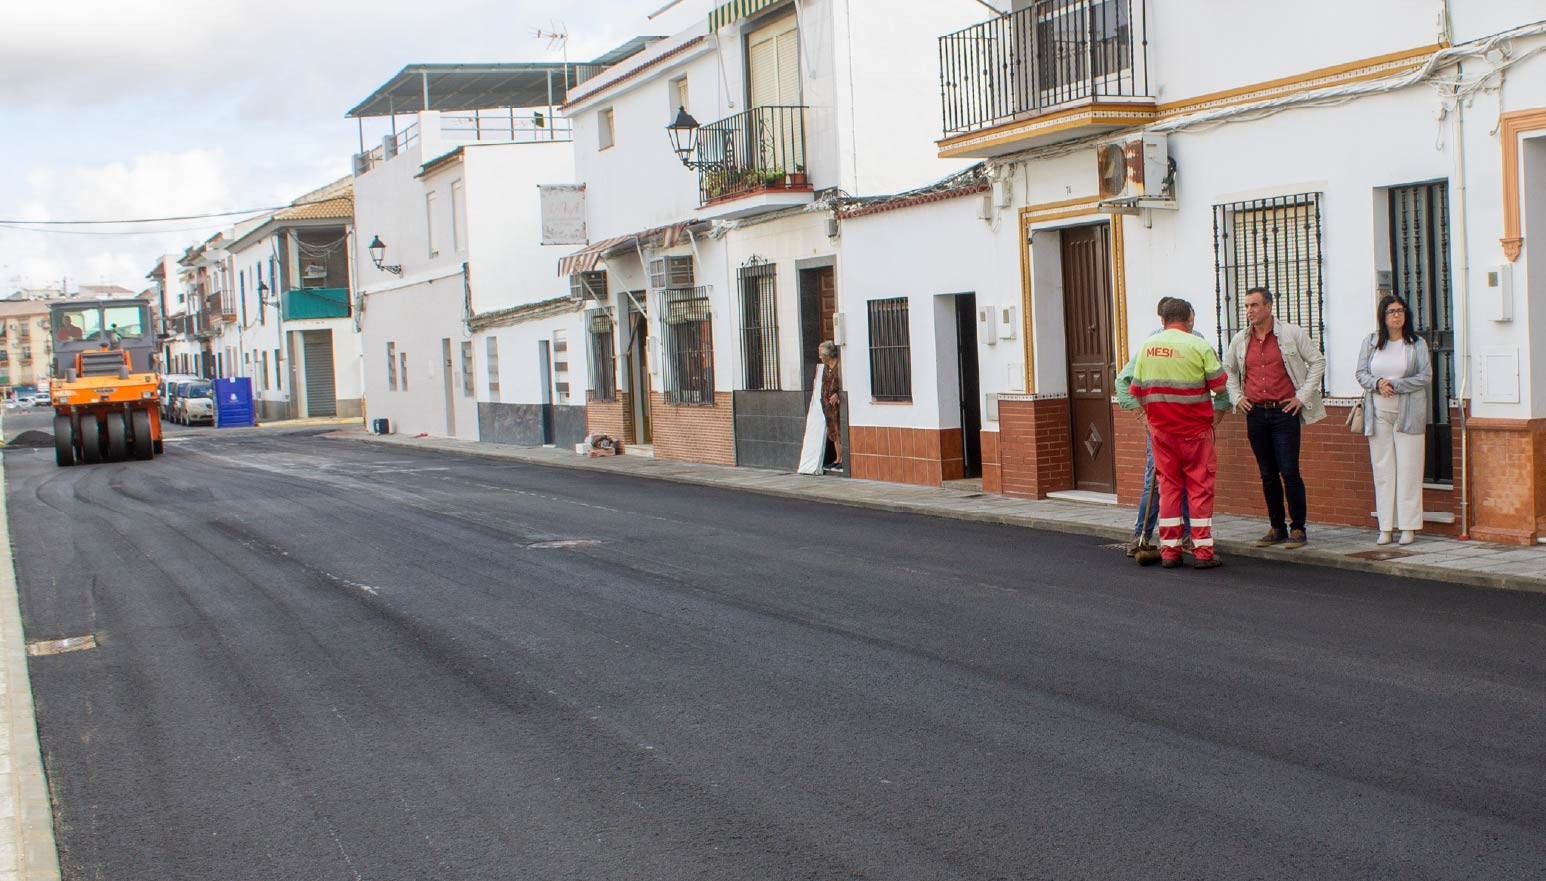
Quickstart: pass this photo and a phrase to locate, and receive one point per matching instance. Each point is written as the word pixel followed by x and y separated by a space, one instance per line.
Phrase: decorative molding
pixel 1118 292
pixel 1092 115
pixel 1510 126
pixel 1048 396
pixel 1310 80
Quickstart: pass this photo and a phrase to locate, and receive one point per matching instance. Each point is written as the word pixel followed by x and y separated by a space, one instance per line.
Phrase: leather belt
pixel 1267 405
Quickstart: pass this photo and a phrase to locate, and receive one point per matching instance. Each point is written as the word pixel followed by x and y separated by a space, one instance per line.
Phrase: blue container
pixel 233 403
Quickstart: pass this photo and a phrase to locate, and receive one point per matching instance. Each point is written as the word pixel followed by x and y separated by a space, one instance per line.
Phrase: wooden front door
pixel 1086 262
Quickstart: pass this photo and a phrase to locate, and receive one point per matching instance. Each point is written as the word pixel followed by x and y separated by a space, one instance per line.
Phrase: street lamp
pixel 684 140
pixel 378 254
pixel 263 290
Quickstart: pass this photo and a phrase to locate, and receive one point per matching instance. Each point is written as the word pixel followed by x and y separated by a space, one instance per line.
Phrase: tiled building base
pixel 923 456
pixel 1034 450
pixel 1508 480
pixel 694 433
pixel 611 418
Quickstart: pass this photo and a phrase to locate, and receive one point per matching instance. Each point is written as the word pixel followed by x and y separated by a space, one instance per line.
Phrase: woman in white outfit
pixel 1396 374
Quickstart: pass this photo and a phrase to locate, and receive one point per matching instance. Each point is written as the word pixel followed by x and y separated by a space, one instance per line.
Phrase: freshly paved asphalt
pixel 320 659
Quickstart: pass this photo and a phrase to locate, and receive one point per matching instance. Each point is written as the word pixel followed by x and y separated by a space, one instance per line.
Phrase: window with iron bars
pixel 467 390
pixel 1276 244
pixel 686 317
pixel 1420 275
pixel 391 366
pixel 891 361
pixel 759 325
pixel 603 357
pixel 491 355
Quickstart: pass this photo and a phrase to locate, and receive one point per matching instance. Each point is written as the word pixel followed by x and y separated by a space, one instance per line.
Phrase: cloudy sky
pixel 161 108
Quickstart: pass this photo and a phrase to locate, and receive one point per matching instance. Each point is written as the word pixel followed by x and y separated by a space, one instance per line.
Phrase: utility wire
pixel 216 214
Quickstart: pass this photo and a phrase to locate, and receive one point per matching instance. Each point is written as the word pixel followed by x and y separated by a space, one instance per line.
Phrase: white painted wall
pixel 922 253
pixel 504 221
pixel 416 318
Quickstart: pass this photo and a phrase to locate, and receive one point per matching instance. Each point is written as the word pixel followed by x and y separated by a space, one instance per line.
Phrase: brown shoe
pixel 1273 537
pixel 1296 539
pixel 1210 563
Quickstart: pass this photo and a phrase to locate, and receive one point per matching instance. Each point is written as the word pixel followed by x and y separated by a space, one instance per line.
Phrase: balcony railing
pixel 1052 53
pixel 315 303
pixel 520 126
pixel 754 151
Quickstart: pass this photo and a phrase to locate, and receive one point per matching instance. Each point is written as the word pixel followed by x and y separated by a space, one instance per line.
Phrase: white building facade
pixel 466 332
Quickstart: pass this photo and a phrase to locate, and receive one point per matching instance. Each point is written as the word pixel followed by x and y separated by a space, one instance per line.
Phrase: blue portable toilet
pixel 233 403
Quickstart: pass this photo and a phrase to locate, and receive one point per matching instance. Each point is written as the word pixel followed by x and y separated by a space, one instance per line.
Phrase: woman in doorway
pixel 1396 373
pixel 831 399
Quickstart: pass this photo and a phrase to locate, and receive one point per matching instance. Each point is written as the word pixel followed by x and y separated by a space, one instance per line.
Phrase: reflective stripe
pixel 1170 542
pixel 1169 521
pixel 1202 542
pixel 1202 521
pixel 1155 397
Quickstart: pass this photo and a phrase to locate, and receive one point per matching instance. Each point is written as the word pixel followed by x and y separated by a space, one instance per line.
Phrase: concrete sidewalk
pixel 1474 563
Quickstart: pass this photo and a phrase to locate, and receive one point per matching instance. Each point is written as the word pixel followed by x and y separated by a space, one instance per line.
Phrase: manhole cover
pixel 1379 556
pixel 564 543
pixel 60 646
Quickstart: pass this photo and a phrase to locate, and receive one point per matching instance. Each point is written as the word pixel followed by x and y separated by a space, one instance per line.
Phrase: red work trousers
pixel 1187 468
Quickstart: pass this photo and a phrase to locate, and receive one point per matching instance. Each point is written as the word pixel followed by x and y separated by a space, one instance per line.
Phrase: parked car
pixel 168 384
pixel 196 402
pixel 42 399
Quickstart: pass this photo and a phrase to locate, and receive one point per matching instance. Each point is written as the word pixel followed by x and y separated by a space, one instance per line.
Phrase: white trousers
pixel 1398 474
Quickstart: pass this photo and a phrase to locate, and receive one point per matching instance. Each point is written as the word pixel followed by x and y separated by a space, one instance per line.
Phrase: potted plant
pixel 798 178
pixel 774 178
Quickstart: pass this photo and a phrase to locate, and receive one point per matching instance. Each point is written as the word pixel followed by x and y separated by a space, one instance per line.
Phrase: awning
pixel 585 259
pixel 735 10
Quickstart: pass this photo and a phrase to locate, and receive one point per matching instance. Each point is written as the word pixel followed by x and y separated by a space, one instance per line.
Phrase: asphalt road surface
pixel 322 659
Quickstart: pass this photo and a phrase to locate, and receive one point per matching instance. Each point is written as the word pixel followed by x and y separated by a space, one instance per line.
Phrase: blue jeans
pixel 1274 437
pixel 1148 503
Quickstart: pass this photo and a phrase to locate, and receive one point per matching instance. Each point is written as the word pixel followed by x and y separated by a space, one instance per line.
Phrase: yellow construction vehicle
pixel 104 385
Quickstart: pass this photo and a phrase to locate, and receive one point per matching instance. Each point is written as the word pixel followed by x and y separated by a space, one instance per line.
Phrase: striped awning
pixel 735 10
pixel 585 259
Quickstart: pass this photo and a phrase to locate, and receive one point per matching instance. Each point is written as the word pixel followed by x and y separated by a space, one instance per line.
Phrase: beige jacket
pixel 1305 362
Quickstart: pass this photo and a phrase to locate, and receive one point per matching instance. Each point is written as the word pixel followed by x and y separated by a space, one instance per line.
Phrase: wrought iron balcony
pixel 754 151
pixel 1049 55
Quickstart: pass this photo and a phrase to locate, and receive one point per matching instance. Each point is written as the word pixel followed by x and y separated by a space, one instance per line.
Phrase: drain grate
pixel 564 543
pixel 1380 556
pixel 60 646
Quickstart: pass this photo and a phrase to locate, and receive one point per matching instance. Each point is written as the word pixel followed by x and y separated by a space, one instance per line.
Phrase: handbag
pixel 1354 421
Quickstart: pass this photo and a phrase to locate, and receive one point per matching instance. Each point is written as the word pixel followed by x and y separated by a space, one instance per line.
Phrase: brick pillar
pixel 1034 445
pixel 1508 480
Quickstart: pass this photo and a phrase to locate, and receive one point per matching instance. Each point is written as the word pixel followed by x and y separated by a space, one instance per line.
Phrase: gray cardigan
pixel 1412 389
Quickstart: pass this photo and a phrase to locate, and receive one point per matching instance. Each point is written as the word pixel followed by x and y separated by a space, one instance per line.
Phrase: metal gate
pixel 1420 275
pixel 321 396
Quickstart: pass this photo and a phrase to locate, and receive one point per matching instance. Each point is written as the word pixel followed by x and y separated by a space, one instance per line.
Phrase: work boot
pixel 1296 539
pixel 1210 563
pixel 1171 562
pixel 1134 545
pixel 1274 536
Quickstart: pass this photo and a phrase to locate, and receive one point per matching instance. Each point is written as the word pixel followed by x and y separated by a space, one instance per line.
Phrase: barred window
pixel 603 357
pixel 467 368
pixel 759 325
pixel 1276 244
pixel 689 345
pixel 402 367
pixel 891 363
pixel 391 366
pixel 493 367
pixel 591 285
pixel 671 272
pixel 560 367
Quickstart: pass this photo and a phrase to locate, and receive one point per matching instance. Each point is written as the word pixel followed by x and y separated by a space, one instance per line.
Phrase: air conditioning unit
pixel 1136 173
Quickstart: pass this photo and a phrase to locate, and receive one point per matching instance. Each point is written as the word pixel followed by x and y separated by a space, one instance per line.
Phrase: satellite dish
pixel 1113 171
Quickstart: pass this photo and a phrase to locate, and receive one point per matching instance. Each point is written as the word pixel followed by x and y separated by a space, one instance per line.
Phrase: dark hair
pixel 1407 333
pixel 1174 309
pixel 1159 308
pixel 1266 295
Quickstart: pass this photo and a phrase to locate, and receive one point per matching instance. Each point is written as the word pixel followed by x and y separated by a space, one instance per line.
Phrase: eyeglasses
pixel 1396 311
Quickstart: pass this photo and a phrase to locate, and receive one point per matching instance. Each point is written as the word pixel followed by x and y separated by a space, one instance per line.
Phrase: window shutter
pixel 773 64
pixel 788 69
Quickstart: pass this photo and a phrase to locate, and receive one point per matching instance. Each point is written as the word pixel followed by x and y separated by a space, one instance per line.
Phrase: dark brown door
pixel 818 305
pixel 1091 374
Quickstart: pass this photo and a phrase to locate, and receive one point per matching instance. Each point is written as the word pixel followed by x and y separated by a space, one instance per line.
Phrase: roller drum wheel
pixel 160 447
pixel 90 440
pixel 144 445
pixel 64 441
pixel 117 438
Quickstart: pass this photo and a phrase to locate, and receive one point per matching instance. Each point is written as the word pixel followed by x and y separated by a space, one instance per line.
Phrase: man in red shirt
pixel 1275 372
